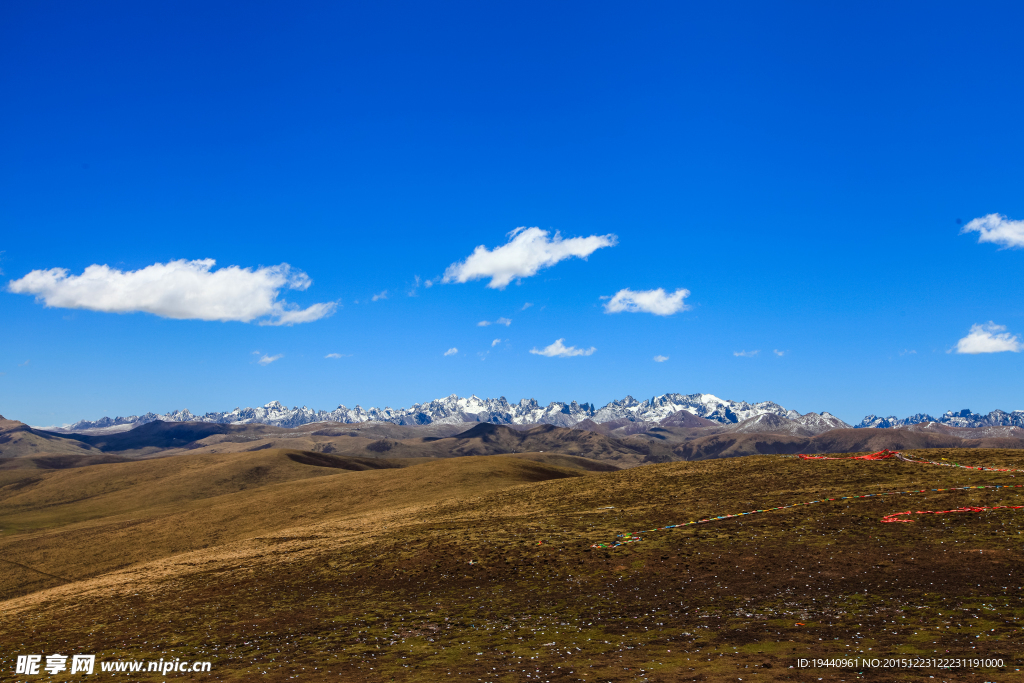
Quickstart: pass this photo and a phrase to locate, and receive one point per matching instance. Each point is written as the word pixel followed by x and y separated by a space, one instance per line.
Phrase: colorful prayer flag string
pixel 886 454
pixel 894 516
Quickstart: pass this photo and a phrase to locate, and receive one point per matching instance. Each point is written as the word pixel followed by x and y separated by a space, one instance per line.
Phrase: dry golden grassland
pixel 481 568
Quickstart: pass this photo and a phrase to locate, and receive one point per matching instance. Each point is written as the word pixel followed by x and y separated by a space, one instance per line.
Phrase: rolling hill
pixel 615 443
pixel 732 444
pixel 284 564
pixel 122 514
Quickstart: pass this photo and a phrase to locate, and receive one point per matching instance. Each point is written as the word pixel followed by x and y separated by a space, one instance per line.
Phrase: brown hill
pixel 18 440
pixel 684 418
pixel 171 438
pixel 621 443
pixel 486 438
pixel 157 436
pixel 618 428
pixel 121 514
pixel 483 568
pixel 482 438
pixel 834 441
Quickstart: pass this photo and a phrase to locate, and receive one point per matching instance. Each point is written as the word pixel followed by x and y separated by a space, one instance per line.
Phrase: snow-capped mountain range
pixel 801 425
pixel 455 410
pixel 961 418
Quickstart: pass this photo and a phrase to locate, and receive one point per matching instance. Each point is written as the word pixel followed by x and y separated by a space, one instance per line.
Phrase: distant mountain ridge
pixel 454 410
pixel 962 418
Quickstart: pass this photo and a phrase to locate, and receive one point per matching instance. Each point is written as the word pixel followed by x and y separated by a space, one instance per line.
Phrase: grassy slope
pixel 482 439
pixel 381 575
pixel 18 440
pixel 115 516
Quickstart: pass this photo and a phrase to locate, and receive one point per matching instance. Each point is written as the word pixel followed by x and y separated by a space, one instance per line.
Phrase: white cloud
pixel 906 352
pixel 560 350
pixel 998 230
pixel 746 354
pixel 21 365
pixel 267 360
pixel 990 338
pixel 778 353
pixel 305 315
pixel 660 359
pixel 378 297
pixel 338 355
pixel 451 352
pixel 495 343
pixel 181 290
pixel 655 301
pixel 415 286
pixel 527 251
pixel 525 306
pixel 500 321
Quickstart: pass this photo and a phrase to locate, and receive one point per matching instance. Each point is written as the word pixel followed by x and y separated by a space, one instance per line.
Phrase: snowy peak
pixel 962 419
pixel 819 423
pixel 764 416
pixel 708 406
pixel 454 409
pixel 810 424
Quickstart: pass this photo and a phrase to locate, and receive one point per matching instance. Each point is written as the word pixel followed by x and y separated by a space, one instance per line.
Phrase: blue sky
pixel 800 170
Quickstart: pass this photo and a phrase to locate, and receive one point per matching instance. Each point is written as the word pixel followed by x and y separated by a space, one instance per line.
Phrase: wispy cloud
pixel 777 352
pixel 451 352
pixel 746 354
pixel 525 306
pixel 21 365
pixel 660 359
pixel 267 360
pixel 527 251
pixel 500 321
pixel 495 343
pixel 997 229
pixel 560 350
pixel 338 355
pixel 907 352
pixel 655 301
pixel 415 286
pixel 180 290
pixel 989 338
pixel 378 297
